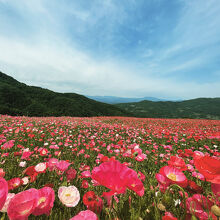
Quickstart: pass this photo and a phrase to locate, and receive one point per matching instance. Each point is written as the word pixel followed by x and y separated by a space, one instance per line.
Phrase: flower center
pixel 42 199
pixel 172 176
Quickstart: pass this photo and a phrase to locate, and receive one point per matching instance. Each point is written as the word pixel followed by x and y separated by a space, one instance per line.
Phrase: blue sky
pixel 128 48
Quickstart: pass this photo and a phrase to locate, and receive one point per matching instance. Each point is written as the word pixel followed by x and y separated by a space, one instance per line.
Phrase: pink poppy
pixel 117 177
pixel 9 197
pixel 69 196
pixel 62 165
pixel 52 163
pixel 174 176
pixel 26 155
pixel 8 145
pixel 41 167
pixel 85 215
pixel 45 201
pixel 3 191
pixel 86 174
pixel 141 157
pixel 23 204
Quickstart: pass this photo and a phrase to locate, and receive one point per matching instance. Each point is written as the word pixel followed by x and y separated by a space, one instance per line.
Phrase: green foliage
pixel 19 99
pixel 206 108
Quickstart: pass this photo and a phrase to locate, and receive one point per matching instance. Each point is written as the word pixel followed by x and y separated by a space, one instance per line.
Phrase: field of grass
pixel 116 167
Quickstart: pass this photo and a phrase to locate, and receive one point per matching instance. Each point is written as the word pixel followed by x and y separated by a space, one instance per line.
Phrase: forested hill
pixel 205 108
pixel 20 99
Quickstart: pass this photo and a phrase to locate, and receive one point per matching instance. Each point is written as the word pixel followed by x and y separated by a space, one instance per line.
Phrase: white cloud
pixel 47 58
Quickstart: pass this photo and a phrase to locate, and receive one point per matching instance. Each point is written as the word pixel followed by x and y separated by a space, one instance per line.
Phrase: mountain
pixel 204 108
pixel 116 100
pixel 20 99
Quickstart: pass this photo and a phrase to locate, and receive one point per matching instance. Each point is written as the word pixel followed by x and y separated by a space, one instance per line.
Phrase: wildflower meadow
pixel 115 168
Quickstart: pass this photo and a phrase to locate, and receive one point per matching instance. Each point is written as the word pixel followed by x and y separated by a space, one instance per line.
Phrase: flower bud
pixel 216 210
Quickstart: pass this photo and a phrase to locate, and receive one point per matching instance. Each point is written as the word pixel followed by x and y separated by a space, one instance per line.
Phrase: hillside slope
pixel 20 99
pixel 206 108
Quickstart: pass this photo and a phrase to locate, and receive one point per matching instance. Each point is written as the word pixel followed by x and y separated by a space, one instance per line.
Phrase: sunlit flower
pixel 173 176
pixel 41 167
pixel 45 201
pixel 209 167
pixel 69 196
pixel 23 204
pixel 117 177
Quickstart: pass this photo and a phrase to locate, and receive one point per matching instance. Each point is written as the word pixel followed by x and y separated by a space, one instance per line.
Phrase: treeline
pixel 19 99
pixel 204 108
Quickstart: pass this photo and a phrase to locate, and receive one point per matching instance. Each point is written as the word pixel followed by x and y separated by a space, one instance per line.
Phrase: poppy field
pixel 109 168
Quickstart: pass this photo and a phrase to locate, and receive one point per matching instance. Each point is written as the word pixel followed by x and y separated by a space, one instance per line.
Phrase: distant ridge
pixel 20 99
pixel 200 108
pixel 116 100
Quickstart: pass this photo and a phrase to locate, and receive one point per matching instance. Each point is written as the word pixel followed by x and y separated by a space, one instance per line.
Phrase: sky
pixel 129 48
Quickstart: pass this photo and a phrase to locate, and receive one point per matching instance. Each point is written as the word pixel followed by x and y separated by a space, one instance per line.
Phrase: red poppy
pixel 177 162
pixel 93 202
pixel 117 177
pixel 193 187
pixel 14 183
pixel 71 174
pixel 209 167
pixel 30 171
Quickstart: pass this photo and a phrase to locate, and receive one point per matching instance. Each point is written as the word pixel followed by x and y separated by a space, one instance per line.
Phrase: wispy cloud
pixel 125 48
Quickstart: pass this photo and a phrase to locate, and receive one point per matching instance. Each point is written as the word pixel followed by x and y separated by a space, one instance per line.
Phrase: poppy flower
pixel 209 167
pixel 14 183
pixel 85 184
pixel 23 204
pixel 71 174
pixel 62 165
pixel 177 162
pixel 52 163
pixel 168 216
pixel 85 215
pixel 43 152
pixel 173 176
pixel 216 189
pixel 30 171
pixel 41 167
pixel 8 145
pixel 93 202
pixel 117 177
pixel 8 199
pixel 45 201
pixel 3 191
pixel 193 187
pixel 69 196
